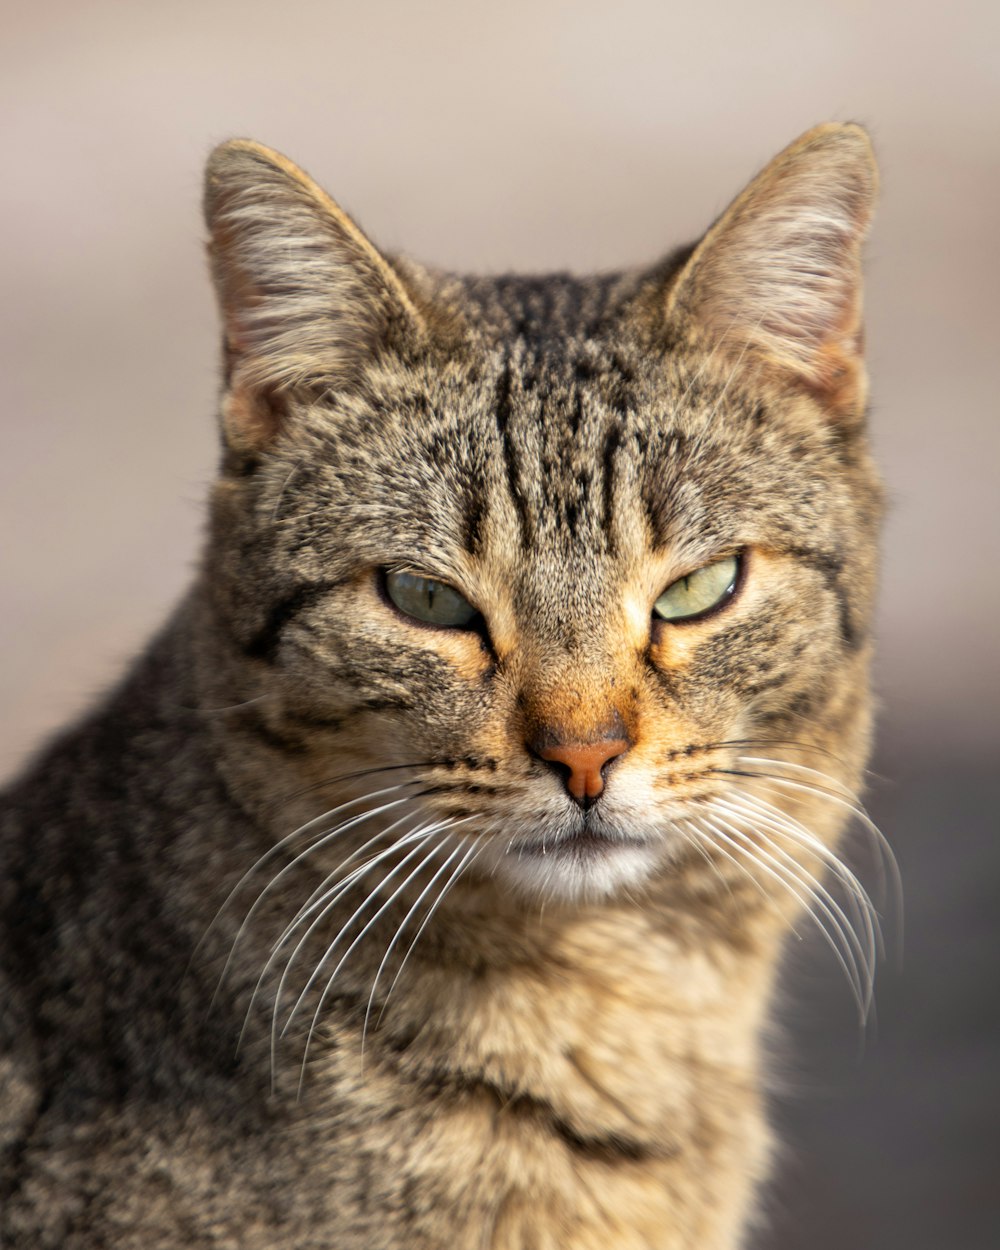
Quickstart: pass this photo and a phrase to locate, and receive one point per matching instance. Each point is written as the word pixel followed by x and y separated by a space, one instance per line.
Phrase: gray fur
pixel 580 1074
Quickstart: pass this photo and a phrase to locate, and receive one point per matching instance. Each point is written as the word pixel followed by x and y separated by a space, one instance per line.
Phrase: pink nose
pixel 583 764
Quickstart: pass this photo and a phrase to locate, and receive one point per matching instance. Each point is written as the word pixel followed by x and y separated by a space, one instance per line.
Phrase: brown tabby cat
pixel 424 884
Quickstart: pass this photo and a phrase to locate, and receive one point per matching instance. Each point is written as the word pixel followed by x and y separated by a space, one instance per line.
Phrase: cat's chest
pixel 604 1027
pixel 536 1105
pixel 544 1106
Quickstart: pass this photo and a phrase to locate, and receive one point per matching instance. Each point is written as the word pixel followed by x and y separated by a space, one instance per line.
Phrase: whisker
pixel 708 836
pixel 823 791
pixel 326 893
pixel 848 953
pixel 399 931
pixel 791 744
pixel 477 847
pixel 436 847
pixel 334 886
pixel 302 829
pixel 890 884
pixel 712 835
pixel 862 912
pixel 325 904
pixel 421 836
pixel 269 854
pixel 226 707
pixel 320 840
pixel 693 837
pixel 761 812
pixel 354 775
pixel 332 877
pixel 768 761
pixel 831 787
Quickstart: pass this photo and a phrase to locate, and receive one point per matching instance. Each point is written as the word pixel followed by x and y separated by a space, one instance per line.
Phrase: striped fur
pixel 306 944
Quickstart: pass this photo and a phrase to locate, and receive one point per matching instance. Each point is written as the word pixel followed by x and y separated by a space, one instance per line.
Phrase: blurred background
pixel 532 136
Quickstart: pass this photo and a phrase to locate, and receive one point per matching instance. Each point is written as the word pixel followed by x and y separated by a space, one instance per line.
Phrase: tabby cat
pixel 423 885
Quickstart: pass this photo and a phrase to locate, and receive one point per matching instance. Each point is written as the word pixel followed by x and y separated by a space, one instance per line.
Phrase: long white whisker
pixel 326 896
pixel 856 961
pixel 710 835
pixel 320 840
pixel 470 855
pixel 703 837
pixel 325 837
pixel 421 836
pixel 434 850
pixel 885 860
pixel 843 952
pixel 304 829
pixel 760 812
pixel 832 782
pixel 861 914
pixel 439 872
pixel 323 906
pixel 693 837
pixel 333 878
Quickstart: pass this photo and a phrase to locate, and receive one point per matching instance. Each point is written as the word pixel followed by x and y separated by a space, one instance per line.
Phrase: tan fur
pixel 540 1028
pixel 778 272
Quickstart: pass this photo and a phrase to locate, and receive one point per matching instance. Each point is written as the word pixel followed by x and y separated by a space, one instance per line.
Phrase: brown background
pixel 540 135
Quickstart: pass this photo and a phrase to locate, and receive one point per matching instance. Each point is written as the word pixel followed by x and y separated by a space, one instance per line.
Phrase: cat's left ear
pixel 776 281
pixel 306 298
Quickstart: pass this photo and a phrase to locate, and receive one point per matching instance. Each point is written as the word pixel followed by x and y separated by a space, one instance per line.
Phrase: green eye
pixel 699 592
pixel 428 600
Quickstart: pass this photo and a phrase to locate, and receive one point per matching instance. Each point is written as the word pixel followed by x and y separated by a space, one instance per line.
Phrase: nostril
pixel 581 765
pixel 558 767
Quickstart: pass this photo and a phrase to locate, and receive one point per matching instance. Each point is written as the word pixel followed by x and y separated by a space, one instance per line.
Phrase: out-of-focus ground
pixel 890 1134
pixel 542 135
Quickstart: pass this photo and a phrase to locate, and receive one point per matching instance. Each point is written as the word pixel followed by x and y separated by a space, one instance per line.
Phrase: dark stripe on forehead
pixel 612 443
pixel 660 481
pixel 544 311
pixel 503 415
pixel 576 414
pixel 474 518
pixel 621 397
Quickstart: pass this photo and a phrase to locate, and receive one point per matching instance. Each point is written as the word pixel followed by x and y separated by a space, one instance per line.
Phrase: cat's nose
pixel 581 764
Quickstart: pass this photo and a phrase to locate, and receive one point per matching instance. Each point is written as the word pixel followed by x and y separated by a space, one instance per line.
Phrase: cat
pixel 424 884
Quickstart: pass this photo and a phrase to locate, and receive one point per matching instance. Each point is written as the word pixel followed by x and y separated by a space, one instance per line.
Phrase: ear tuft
pixel 779 274
pixel 304 295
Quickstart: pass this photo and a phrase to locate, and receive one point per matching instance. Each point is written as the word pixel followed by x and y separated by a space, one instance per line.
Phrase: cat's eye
pixel 428 600
pixel 699 592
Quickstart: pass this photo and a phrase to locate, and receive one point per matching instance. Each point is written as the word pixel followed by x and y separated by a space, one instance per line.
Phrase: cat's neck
pixel 604 1037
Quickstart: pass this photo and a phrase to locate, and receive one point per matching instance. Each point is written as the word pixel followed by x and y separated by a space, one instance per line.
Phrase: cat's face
pixel 548 555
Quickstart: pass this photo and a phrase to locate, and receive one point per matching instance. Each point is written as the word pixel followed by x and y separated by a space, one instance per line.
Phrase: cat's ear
pixel 777 279
pixel 305 297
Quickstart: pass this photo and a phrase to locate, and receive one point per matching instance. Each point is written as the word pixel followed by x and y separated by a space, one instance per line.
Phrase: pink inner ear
pixel 303 292
pixel 792 292
pixel 780 274
pixel 251 416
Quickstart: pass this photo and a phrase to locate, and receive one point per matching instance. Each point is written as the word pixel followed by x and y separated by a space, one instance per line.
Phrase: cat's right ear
pixel 306 299
pixel 776 282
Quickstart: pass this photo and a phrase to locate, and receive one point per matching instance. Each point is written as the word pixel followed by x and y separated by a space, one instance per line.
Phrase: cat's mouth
pixel 589 840
pixel 590 859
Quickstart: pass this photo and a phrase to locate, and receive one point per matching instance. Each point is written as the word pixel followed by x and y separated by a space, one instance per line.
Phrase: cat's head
pixel 554 557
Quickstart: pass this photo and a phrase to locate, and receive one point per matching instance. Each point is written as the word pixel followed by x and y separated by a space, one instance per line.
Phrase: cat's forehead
pixel 571 428
pixel 555 435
